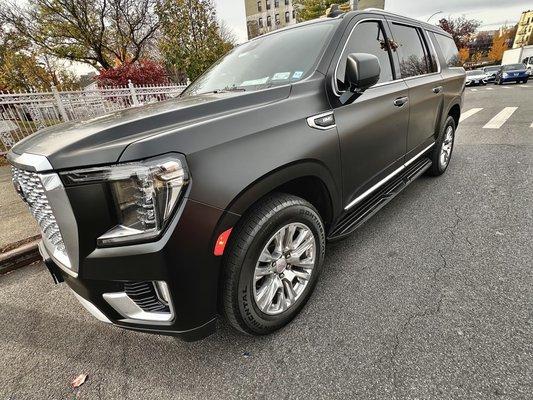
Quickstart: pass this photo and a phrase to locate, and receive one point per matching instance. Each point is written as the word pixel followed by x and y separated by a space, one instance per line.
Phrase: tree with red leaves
pixel 144 72
pixel 460 28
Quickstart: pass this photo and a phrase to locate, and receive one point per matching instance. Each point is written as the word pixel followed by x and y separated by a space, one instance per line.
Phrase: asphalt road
pixel 431 299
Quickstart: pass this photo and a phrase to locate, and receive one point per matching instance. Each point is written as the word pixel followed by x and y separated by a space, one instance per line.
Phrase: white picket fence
pixel 22 114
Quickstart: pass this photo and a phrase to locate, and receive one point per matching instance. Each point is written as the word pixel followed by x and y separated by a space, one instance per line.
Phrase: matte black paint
pixel 239 147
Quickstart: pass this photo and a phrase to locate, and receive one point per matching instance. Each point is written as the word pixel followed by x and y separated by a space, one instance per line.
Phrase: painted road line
pixel 506 87
pixel 500 118
pixel 531 125
pixel 489 88
pixel 473 90
pixel 469 113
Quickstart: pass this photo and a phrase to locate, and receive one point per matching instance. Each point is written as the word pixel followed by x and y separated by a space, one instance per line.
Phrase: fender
pixel 286 173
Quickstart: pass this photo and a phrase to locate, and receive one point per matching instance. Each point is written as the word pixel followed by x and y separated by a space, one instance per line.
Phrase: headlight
pixel 145 194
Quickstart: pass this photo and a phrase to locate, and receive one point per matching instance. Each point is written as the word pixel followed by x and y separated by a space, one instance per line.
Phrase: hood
pixel 514 71
pixel 102 140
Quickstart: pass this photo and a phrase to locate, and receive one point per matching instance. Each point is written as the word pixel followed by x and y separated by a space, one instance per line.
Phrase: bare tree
pixel 96 32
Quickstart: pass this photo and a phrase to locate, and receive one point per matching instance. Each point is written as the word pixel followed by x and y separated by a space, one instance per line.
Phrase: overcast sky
pixel 492 13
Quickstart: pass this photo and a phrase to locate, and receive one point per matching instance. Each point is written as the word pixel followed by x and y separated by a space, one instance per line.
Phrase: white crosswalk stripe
pixel 473 90
pixel 506 87
pixel 499 119
pixel 531 125
pixel 469 113
pixel 489 88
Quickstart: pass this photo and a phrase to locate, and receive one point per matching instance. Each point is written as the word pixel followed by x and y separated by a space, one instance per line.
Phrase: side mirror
pixel 362 71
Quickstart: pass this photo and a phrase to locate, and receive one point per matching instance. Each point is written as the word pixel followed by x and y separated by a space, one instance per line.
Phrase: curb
pixel 20 256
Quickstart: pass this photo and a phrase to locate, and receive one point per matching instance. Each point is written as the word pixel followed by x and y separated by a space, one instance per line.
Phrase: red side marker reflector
pixel 220 245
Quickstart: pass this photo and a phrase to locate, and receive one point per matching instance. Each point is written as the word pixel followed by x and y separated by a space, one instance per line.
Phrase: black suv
pixel 163 217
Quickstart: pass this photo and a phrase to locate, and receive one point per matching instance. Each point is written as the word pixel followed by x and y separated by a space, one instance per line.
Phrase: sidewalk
pixel 17 224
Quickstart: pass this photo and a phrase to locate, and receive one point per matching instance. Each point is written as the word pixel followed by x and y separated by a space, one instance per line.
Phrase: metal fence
pixel 22 114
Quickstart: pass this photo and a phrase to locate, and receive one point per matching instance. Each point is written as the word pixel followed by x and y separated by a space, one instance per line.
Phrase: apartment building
pixel 524 34
pixel 264 16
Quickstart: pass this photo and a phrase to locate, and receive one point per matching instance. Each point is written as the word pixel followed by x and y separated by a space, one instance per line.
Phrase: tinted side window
pixel 412 51
pixel 449 50
pixel 367 37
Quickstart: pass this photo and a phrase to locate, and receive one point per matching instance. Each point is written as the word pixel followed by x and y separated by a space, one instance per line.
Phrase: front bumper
pixel 471 82
pixel 183 259
pixel 515 78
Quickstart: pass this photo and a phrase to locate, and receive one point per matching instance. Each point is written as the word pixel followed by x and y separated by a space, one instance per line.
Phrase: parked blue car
pixel 512 73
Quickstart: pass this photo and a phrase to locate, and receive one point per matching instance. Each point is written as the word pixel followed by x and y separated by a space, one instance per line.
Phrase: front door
pixel 373 128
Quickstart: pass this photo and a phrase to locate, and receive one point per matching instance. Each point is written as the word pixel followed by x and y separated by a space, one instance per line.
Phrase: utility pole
pixel 353 4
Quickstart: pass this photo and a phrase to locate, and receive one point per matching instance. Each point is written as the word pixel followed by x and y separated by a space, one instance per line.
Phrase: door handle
pixel 400 101
pixel 437 89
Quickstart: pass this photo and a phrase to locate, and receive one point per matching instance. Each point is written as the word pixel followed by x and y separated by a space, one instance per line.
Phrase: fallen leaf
pixel 80 380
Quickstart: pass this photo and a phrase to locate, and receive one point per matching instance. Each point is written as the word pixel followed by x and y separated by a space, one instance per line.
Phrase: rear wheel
pixel 272 264
pixel 443 149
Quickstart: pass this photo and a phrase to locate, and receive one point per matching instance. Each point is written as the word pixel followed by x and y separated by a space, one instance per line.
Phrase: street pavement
pixel 430 299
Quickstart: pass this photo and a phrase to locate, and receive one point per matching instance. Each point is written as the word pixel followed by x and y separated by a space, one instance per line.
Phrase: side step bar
pixel 359 214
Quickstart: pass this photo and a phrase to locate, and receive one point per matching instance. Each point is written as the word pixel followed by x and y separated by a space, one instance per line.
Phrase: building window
pixel 287 16
pixel 276 3
pixel 277 19
pixel 269 21
pixel 259 6
pixel 260 22
pixel 287 2
pixel 293 14
pixel 268 4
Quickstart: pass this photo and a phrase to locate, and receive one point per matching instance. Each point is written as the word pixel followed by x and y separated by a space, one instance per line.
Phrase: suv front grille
pixel 30 188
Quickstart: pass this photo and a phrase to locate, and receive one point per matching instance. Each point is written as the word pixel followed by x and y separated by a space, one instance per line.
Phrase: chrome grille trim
pixel 33 189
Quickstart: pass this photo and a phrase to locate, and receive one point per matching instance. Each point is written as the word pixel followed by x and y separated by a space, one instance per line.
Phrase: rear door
pixel 372 128
pixel 420 72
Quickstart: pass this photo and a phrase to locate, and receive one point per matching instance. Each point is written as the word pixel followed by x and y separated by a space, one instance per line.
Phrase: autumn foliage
pixel 144 72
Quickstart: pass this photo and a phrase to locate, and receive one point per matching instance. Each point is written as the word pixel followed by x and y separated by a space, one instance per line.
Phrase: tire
pixel 241 300
pixel 438 167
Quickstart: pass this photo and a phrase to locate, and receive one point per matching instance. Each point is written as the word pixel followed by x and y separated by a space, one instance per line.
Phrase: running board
pixel 360 213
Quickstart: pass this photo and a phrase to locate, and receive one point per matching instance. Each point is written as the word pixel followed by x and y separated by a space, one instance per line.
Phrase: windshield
pixel 491 69
pixel 472 73
pixel 276 59
pixel 511 67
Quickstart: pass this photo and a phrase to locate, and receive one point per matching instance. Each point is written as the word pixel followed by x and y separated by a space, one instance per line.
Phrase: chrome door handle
pixel 400 101
pixel 437 90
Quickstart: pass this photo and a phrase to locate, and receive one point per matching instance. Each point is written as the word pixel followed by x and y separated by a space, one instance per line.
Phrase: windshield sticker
pixel 281 76
pixel 297 74
pixel 261 81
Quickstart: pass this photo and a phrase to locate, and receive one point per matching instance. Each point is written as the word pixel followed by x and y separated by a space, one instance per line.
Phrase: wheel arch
pixel 308 179
pixel 455 113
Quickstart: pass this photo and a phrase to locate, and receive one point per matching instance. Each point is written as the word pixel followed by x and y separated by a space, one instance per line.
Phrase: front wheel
pixel 272 264
pixel 441 153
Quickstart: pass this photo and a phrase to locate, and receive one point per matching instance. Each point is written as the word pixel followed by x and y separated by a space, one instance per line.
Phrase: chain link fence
pixel 24 113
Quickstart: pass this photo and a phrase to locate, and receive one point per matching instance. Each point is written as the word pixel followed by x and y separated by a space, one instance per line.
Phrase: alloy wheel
pixel 446 148
pixel 284 268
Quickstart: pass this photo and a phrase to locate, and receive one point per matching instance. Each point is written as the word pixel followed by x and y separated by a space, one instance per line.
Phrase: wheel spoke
pixel 302 274
pixel 266 256
pixel 299 239
pixel 266 294
pixel 289 290
pixel 302 248
pixel 305 263
pixel 260 272
pixel 280 241
pixel 291 229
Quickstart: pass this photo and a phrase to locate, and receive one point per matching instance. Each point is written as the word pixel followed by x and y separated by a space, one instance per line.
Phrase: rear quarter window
pixel 449 50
